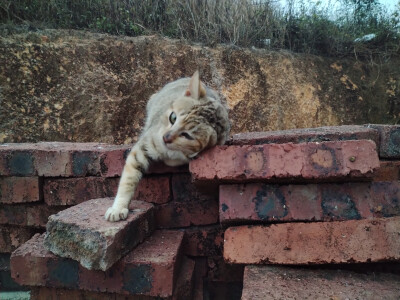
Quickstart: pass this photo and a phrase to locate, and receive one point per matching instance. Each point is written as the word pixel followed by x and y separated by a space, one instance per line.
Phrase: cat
pixel 183 118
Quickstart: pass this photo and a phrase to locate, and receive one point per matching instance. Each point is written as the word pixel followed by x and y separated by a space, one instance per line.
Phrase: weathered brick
pixel 220 270
pixel 204 240
pixel 161 168
pixel 72 191
pixel 19 189
pixel 82 233
pixel 308 202
pixel 389 140
pixel 314 243
pixel 40 293
pixel 189 205
pixel 388 171
pixel 322 161
pixel 184 214
pixel 112 161
pixel 185 283
pixel 53 159
pixel 6 282
pixel 149 269
pixel 35 215
pixel 184 190
pixel 273 282
pixel 306 135
pixel 154 190
pixel 12 237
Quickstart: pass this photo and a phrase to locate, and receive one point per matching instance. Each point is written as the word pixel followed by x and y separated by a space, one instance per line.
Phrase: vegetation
pixel 299 27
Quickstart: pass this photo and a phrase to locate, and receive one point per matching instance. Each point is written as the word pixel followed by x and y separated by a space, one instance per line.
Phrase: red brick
pixel 35 215
pixel 40 293
pixel 308 202
pixel 154 190
pixel 12 237
pixel 220 270
pixel 82 233
pixel 306 135
pixel 184 214
pixel 53 159
pixel 314 243
pixel 273 282
pixel 185 283
pixel 389 140
pixel 388 171
pixel 204 241
pixel 161 168
pixel 150 269
pixel 72 191
pixel 19 189
pixel 328 160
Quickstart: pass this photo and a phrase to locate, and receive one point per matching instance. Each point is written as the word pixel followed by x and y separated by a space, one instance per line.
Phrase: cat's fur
pixel 184 118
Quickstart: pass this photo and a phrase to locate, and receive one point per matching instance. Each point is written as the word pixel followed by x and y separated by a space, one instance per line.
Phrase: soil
pixel 63 85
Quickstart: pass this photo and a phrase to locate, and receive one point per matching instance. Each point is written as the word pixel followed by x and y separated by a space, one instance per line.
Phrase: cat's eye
pixel 172 118
pixel 186 136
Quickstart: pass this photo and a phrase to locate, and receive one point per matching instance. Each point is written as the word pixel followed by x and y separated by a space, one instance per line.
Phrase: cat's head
pixel 194 125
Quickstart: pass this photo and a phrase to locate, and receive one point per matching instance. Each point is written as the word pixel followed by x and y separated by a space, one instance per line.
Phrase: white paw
pixel 115 214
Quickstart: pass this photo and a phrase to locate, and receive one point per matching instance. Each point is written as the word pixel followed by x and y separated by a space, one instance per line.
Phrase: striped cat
pixel 183 119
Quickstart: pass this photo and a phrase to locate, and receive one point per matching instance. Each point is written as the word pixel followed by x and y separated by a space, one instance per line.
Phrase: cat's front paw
pixel 115 214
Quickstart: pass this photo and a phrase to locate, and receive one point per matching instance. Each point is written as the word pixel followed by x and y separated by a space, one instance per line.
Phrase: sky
pixel 389 4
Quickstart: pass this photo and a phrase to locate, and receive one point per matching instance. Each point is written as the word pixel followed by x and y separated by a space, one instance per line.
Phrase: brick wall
pixel 264 198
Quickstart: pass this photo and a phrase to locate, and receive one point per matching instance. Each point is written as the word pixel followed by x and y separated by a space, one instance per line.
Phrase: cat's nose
pixel 167 138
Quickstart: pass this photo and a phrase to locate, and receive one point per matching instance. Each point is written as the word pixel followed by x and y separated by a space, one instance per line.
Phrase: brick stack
pixel 309 197
pixel 39 180
pixel 322 196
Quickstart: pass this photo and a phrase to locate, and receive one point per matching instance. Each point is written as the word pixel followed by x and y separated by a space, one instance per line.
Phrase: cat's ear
pixel 196 89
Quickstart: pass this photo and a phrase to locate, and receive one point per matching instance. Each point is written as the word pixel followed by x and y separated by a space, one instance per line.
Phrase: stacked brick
pixel 322 196
pixel 325 196
pixel 58 180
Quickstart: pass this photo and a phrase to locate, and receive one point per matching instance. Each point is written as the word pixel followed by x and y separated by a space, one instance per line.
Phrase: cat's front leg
pixel 136 164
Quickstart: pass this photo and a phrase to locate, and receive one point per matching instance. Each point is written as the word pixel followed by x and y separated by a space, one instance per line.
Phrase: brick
pixel 306 135
pixel 150 269
pixel 388 171
pixel 184 214
pixel 204 240
pixel 72 191
pixel 154 190
pixel 19 189
pixel 81 232
pixel 354 241
pixel 389 140
pixel 53 159
pixel 6 282
pixel 200 274
pixel 222 290
pixel 184 190
pixel 219 270
pixel 273 282
pixel 40 293
pixel 35 215
pixel 185 283
pixel 308 202
pixel 13 237
pixel 161 168
pixel 307 161
pixel 189 205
